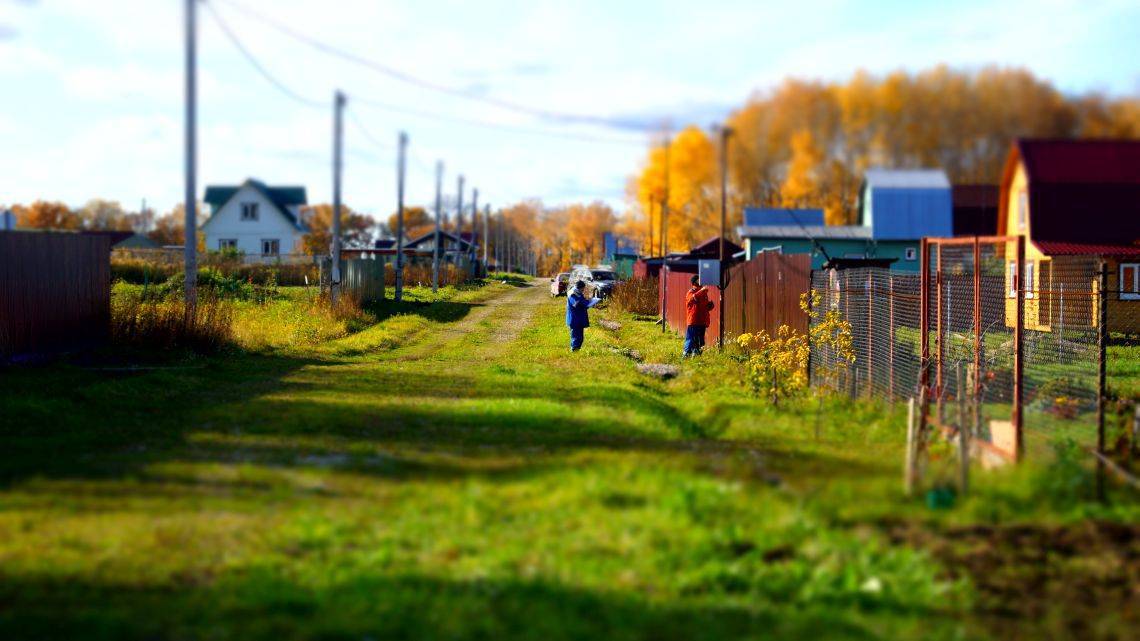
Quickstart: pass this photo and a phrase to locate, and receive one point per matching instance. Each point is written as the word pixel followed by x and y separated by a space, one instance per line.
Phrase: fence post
pixel 924 332
pixel 1101 382
pixel 908 471
pixel 870 340
pixel 939 339
pixel 963 435
pixel 1018 357
pixel 977 391
pixel 891 337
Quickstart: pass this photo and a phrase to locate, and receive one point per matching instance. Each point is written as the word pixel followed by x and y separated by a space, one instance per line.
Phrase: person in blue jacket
pixel 577 318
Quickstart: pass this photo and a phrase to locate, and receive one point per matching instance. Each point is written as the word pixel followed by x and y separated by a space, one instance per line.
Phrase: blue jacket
pixel 576 306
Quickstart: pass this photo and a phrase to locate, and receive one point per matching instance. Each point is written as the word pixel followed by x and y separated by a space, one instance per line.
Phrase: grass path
pixel 457 473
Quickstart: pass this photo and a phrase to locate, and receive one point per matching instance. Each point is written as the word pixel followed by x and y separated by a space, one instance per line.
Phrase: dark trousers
pixel 694 339
pixel 577 335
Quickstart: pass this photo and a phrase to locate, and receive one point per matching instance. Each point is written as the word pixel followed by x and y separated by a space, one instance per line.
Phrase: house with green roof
pixel 255 219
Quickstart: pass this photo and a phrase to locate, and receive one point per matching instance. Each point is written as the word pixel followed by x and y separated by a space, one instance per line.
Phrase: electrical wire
pixel 282 87
pixel 403 76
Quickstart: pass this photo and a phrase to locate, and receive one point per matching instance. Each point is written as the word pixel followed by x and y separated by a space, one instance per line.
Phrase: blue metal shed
pixel 906 204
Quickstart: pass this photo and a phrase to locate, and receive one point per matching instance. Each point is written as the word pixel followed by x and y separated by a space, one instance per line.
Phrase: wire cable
pixel 403 76
pixel 282 87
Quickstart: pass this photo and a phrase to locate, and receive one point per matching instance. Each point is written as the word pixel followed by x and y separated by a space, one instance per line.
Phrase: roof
pixel 1060 248
pixel 415 242
pixel 119 238
pixel 1083 194
pixel 818 232
pixel 975 209
pixel 282 197
pixel 778 216
pixel 880 177
pixel 712 246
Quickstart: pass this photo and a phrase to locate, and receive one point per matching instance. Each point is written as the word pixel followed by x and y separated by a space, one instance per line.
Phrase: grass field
pixel 451 471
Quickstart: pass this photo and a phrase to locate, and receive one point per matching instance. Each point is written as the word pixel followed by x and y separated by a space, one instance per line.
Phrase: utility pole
pixel 459 210
pixel 474 220
pixel 665 204
pixel 338 161
pixel 725 132
pixel 403 152
pixel 438 215
pixel 190 231
pixel 486 234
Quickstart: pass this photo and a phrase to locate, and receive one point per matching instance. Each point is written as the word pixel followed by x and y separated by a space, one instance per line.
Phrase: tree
pixel 693 189
pixel 43 214
pixel 355 228
pixel 584 229
pixel 169 228
pixel 417 222
pixel 104 215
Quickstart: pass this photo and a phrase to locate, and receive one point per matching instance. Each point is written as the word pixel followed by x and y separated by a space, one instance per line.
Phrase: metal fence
pixel 55 291
pixel 1014 344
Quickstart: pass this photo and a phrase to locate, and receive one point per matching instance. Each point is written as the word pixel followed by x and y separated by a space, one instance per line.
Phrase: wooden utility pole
pixel 665 205
pixel 438 215
pixel 190 234
pixel 402 152
pixel 338 160
pixel 486 234
pixel 725 132
pixel 474 221
pixel 459 209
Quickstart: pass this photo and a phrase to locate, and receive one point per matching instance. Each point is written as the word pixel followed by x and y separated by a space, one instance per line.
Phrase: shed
pixel 906 204
pixel 755 216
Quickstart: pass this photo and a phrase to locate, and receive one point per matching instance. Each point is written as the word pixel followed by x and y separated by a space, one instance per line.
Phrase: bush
pixel 637 296
pixel 212 283
pixel 139 271
pixel 164 323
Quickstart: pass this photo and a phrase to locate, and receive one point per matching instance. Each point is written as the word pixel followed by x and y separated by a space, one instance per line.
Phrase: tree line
pixel 806 143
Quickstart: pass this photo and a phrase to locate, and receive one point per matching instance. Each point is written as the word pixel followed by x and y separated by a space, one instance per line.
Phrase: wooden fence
pixel 55 292
pixel 760 294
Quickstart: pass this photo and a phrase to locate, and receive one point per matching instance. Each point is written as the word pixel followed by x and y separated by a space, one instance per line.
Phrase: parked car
pixel 559 283
pixel 602 282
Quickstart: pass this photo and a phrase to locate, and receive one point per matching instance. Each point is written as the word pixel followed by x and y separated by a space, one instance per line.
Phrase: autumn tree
pixel 104 214
pixel 169 228
pixel 417 222
pixel 43 214
pixel 585 226
pixel 355 228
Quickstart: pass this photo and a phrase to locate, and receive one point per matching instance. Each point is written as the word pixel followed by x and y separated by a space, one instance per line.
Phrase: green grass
pixel 453 471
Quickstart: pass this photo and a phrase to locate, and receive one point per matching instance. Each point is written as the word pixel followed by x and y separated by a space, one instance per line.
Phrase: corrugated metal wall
pixel 55 291
pixel 760 294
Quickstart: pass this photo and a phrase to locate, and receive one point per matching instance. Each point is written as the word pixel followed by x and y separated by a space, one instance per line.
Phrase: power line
pixel 258 66
pixel 403 76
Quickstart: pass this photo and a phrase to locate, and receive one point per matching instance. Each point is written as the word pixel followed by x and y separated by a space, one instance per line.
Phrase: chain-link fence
pixel 1012 339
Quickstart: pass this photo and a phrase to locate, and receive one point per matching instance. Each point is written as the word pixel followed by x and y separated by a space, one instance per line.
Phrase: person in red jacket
pixel 697 308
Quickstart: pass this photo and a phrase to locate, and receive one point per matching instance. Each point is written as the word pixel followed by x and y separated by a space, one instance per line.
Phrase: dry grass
pixel 164 324
pixel 420 275
pixel 637 296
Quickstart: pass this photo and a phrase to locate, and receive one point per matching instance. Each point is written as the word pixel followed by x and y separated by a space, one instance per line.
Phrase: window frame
pixel 274 243
pixel 1122 291
pixel 910 253
pixel 1030 282
pixel 1022 209
pixel 250 211
pixel 1011 276
pixel 227 243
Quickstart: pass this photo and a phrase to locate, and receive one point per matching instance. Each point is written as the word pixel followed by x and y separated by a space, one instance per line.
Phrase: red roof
pixel 1083 194
pixel 1059 248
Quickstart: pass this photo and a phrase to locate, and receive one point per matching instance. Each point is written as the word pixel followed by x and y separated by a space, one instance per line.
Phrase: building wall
pixel 841 248
pixel 226 223
pixel 906 214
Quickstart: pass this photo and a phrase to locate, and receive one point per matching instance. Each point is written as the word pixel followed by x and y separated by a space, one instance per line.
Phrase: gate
pixel 972 316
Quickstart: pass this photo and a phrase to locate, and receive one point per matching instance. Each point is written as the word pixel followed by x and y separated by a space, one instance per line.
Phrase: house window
pixel 1030 283
pixel 1130 281
pixel 270 247
pixel 911 253
pixel 249 211
pixel 1012 280
pixel 1022 209
pixel 227 243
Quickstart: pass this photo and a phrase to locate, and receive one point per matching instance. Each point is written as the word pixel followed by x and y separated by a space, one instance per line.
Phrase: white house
pixel 255 219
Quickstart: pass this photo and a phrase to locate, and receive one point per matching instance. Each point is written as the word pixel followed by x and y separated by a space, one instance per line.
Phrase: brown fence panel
pixel 55 291
pixel 759 295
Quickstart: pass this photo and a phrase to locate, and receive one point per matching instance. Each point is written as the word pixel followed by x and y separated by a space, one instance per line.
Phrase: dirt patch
pixel 1034 581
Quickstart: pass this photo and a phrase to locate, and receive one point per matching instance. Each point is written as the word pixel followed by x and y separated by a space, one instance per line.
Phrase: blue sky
pixel 92 105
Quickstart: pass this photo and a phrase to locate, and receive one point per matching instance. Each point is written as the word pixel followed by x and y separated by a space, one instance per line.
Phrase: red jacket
pixel 697 307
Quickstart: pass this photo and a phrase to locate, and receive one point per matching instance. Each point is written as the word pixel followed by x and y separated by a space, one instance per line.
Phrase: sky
pixel 92 104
